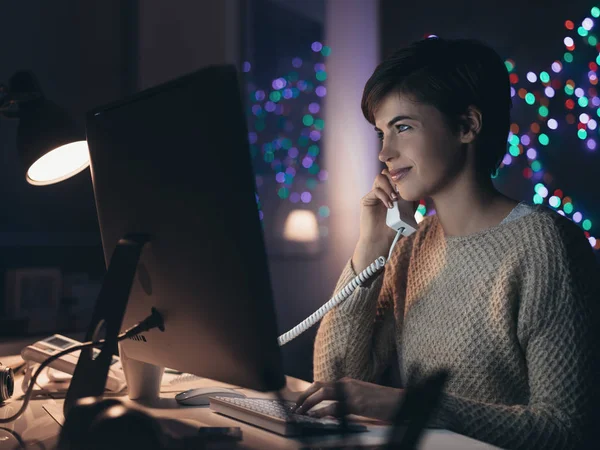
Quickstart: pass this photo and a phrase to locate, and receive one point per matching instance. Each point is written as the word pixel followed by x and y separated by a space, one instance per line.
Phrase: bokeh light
pixel 563 102
pixel 553 102
pixel 285 127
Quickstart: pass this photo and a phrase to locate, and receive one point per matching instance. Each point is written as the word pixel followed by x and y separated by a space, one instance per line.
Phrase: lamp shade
pixel 51 146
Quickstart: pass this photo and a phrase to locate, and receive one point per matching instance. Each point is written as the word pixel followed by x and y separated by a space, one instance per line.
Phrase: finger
pixel 329 410
pixel 376 197
pixel 387 175
pixel 308 392
pixel 325 393
pixel 384 197
pixel 384 182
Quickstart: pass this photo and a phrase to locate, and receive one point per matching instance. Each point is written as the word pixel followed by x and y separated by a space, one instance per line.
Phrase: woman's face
pixel 416 136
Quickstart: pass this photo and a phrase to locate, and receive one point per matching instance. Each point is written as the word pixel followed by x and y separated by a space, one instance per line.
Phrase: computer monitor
pixel 173 162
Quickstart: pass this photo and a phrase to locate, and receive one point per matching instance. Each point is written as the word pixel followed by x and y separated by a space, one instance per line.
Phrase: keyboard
pixel 274 416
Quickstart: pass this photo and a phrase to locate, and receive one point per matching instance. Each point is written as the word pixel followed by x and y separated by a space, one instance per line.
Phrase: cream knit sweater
pixel 510 311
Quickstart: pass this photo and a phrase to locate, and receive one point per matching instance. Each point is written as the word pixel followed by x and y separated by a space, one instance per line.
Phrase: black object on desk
pixel 416 408
pixel 230 434
pixel 89 378
pixel 7 383
pixel 96 424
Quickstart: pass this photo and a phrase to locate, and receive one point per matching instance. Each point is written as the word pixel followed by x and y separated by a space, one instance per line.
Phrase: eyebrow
pixel 396 119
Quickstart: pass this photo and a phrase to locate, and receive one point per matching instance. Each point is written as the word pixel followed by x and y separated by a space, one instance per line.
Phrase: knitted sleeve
pixel 357 338
pixel 557 320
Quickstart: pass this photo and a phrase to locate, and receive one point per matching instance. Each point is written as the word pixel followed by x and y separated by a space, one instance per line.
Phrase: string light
pixel 560 104
pixel 285 128
pixel 564 93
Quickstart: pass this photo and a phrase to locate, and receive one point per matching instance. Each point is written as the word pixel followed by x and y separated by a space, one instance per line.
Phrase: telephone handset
pixel 400 221
pixel 404 225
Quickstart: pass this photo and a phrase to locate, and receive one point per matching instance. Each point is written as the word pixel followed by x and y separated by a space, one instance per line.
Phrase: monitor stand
pixel 89 377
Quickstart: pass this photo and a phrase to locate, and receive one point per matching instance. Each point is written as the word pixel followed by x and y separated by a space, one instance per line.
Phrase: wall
pixel 79 51
pixel 175 41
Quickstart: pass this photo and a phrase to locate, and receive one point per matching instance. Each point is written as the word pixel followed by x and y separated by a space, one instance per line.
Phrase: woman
pixel 499 293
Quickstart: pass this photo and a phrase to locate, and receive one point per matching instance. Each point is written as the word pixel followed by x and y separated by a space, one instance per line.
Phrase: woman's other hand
pixel 361 398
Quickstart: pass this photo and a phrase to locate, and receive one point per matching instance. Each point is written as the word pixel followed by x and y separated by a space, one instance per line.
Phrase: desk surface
pixel 37 425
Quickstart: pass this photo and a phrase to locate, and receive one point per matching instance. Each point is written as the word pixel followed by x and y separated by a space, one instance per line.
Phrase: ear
pixel 472 121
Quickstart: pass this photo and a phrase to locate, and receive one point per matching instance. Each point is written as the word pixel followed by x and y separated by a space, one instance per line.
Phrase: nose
pixel 386 153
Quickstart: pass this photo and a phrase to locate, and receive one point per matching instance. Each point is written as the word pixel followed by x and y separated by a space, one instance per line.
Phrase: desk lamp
pixel 51 147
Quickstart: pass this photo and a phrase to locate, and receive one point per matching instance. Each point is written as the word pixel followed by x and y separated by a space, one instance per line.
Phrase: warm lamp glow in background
pixel 59 164
pixel 301 226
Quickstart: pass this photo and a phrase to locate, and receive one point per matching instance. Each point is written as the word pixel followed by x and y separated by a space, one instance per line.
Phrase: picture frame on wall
pixel 33 293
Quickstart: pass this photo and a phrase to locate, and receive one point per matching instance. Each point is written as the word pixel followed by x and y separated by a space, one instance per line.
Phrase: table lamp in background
pixel 51 146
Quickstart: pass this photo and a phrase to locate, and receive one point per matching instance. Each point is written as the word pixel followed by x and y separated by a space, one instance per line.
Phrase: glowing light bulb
pixel 530 98
pixel 301 226
pixel 556 66
pixel 568 207
pixel 59 164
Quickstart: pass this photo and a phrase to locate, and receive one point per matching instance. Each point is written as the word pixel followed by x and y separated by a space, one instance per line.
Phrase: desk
pixel 36 425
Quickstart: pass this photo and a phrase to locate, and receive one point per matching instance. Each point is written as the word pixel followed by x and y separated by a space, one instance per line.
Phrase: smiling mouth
pixel 397 175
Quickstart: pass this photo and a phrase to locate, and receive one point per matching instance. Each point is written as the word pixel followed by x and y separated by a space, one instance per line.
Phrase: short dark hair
pixel 451 75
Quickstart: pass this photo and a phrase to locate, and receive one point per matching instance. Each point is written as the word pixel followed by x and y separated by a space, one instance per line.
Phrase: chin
pixel 410 195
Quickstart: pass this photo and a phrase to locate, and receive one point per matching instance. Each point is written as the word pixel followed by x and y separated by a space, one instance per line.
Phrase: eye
pixel 380 135
pixel 399 127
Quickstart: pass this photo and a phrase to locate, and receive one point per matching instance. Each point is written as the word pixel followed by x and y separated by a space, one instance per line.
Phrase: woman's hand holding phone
pixel 375 236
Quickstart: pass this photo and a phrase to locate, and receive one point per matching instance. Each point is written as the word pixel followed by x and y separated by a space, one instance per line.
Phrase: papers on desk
pixel 56 411
pixel 52 381
pixel 177 382
pixel 171 383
